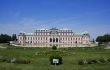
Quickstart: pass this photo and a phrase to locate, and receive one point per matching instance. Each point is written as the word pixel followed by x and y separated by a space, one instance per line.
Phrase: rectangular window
pixel 76 38
pixel 79 38
pixel 41 38
pixel 20 38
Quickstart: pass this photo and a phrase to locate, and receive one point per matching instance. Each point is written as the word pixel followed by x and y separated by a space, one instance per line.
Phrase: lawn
pixel 39 58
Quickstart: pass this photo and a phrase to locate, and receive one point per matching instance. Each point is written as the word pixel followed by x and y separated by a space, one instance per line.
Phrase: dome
pixel 85 32
pixel 42 29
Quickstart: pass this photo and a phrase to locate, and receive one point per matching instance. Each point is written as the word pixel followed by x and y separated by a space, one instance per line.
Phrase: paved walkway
pixel 108 47
pixel 2 47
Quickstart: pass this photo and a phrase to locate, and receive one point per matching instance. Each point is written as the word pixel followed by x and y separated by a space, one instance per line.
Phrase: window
pixel 33 38
pixel 73 38
pixel 79 38
pixel 50 39
pixel 76 38
pixel 41 38
pixel 53 39
pixel 67 33
pixel 47 33
pixel 20 38
pixel 68 38
pixel 56 39
pixel 28 38
pixel 61 39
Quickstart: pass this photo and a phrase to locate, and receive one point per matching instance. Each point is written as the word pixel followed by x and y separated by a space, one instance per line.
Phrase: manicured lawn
pixel 39 58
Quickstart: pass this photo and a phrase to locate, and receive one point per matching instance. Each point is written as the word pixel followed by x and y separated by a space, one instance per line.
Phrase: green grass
pixel 40 58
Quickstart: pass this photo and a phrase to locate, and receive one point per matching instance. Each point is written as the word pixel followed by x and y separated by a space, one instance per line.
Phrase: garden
pixel 21 58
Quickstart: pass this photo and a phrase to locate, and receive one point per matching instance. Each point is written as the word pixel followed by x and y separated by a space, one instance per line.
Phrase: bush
pixel 54 47
pixel 25 61
pixel 82 62
pixel 92 61
pixel 3 59
pixel 7 59
pixel 22 61
pixel 55 57
pixel 14 60
pixel 108 59
pixel 102 60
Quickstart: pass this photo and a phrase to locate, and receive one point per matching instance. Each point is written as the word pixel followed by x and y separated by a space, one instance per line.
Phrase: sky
pixel 79 15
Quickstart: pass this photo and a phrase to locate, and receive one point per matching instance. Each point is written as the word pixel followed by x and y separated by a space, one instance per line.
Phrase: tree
pixel 14 37
pixel 103 39
pixel 4 38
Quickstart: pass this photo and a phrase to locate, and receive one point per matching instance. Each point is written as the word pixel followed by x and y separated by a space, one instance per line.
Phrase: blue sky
pixel 79 15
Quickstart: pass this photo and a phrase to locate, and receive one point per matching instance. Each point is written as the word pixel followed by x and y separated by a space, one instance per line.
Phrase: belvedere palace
pixel 58 37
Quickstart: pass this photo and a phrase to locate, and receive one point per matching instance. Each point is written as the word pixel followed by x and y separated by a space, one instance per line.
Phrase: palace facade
pixel 54 36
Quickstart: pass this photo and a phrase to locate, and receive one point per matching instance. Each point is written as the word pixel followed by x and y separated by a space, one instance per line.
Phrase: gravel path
pixel 2 47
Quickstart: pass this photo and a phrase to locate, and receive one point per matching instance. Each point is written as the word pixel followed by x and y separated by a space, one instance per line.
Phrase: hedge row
pixel 55 57
pixel 93 61
pixel 14 60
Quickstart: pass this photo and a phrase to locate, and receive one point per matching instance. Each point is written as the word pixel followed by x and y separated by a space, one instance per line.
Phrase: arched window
pixel 53 39
pixel 50 39
pixel 56 39
pixel 75 42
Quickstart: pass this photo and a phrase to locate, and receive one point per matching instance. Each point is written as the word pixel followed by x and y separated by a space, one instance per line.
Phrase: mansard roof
pixel 54 28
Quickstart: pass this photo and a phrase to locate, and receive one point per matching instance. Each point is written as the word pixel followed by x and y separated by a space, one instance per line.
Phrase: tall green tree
pixel 103 39
pixel 4 38
pixel 14 38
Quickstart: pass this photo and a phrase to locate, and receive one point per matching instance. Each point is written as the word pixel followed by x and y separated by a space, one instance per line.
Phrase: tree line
pixel 4 38
pixel 103 39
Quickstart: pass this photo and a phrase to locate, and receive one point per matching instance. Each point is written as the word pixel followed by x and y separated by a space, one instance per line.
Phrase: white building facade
pixel 54 36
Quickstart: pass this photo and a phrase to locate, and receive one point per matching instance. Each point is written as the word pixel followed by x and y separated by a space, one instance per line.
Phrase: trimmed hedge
pixel 55 57
pixel 82 62
pixel 93 61
pixel 14 60
pixel 22 61
pixel 108 59
pixel 102 60
pixel 54 47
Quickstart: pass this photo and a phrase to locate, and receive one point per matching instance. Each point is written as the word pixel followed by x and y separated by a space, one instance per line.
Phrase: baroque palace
pixel 58 37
